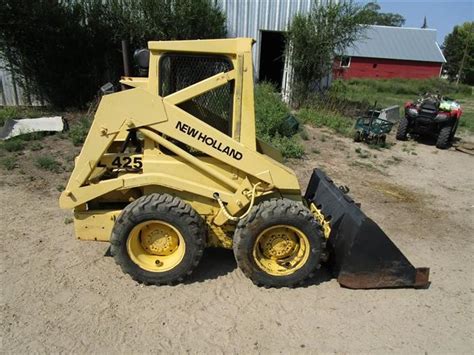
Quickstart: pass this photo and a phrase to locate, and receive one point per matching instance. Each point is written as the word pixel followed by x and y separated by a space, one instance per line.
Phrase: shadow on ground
pixel 430 139
pixel 215 262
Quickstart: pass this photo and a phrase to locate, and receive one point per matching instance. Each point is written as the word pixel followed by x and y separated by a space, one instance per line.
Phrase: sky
pixel 441 15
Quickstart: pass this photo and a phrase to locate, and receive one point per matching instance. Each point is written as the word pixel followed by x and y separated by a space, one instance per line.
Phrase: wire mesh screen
pixel 178 71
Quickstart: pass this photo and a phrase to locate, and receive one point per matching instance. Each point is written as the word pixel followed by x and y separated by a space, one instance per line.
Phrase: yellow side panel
pixel 95 225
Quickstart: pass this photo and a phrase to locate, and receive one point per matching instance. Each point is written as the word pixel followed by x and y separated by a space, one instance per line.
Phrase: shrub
pixel 270 116
pixel 78 132
pixel 13 112
pixel 270 111
pixel 36 146
pixel 8 163
pixel 315 37
pixel 14 144
pixel 80 41
pixel 289 147
pixel 48 163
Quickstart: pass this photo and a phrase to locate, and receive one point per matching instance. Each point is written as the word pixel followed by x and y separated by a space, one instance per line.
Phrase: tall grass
pixel 346 100
pixel 320 116
pixel 270 116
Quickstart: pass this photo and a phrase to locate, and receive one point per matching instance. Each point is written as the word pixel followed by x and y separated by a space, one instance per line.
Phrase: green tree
pixel 65 50
pixel 458 49
pixel 370 15
pixel 313 38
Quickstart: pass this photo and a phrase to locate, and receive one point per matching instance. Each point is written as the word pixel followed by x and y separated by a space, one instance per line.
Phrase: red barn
pixel 392 52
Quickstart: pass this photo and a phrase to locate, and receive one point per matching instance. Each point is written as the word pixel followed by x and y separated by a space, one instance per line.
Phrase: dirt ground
pixel 62 295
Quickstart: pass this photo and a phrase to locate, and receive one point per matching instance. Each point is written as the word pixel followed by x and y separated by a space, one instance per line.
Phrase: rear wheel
pixel 279 244
pixel 158 239
pixel 444 137
pixel 357 136
pixel 402 130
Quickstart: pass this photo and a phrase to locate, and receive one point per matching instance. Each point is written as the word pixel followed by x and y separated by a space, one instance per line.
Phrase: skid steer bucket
pixel 361 254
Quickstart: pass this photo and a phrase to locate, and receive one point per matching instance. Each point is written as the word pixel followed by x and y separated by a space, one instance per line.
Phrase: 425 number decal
pixel 125 162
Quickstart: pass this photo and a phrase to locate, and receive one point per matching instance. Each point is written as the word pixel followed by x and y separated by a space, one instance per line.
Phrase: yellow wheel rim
pixel 156 246
pixel 281 250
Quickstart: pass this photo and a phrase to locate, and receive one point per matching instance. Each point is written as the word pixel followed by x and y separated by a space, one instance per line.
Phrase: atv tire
pixel 158 239
pixel 279 244
pixel 444 137
pixel 453 131
pixel 402 130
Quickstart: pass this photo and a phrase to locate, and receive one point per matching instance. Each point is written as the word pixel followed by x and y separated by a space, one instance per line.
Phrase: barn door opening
pixel 272 57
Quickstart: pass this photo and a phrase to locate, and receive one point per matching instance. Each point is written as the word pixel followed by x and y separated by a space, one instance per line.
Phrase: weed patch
pixel 35 146
pixel 78 132
pixel 289 147
pixel 13 145
pixel 8 163
pixel 326 118
pixel 19 112
pixel 48 163
pixel 362 153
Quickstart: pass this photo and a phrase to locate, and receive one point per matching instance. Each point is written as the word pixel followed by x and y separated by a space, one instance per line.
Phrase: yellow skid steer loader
pixel 172 166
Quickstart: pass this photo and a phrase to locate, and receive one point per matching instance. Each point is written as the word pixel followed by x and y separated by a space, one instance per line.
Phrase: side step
pixel 361 254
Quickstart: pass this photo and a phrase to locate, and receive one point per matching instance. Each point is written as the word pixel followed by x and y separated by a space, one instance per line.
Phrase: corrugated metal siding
pixel 246 18
pixel 11 93
pixel 398 43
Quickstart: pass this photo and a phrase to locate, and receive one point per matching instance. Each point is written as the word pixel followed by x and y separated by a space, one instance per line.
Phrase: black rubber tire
pixel 275 212
pixel 444 137
pixel 171 210
pixel 402 130
pixel 357 137
pixel 453 131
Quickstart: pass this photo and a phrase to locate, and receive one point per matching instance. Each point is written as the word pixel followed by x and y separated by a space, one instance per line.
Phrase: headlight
pixel 412 112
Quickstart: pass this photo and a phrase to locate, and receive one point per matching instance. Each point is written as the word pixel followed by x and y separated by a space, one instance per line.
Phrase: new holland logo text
pixel 214 143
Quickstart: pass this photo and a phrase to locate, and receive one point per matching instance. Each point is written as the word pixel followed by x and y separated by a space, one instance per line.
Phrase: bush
pixel 48 163
pixel 14 144
pixel 290 147
pixel 13 112
pixel 270 116
pixel 67 49
pixel 9 163
pixel 78 132
pixel 270 111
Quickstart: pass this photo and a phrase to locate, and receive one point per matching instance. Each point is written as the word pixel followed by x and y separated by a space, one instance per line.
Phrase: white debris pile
pixel 17 127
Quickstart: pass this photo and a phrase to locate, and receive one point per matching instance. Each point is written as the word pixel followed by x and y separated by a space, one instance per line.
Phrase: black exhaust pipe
pixel 360 253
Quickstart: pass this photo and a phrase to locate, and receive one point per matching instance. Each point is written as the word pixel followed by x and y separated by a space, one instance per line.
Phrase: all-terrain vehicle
pixel 431 114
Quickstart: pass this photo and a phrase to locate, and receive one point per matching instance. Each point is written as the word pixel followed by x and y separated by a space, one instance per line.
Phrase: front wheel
pixel 158 239
pixel 444 137
pixel 453 131
pixel 279 244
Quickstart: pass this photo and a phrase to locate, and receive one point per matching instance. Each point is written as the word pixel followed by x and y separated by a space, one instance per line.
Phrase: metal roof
pixel 397 43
